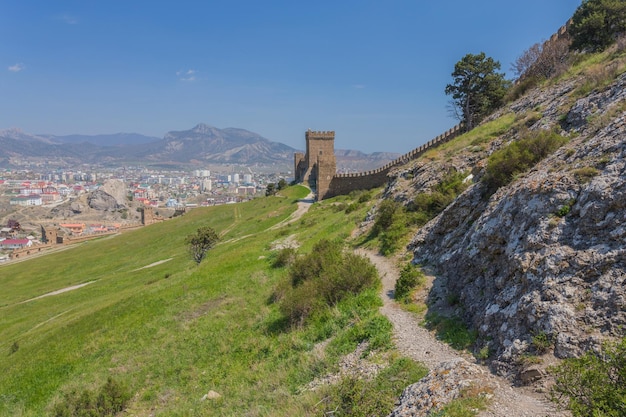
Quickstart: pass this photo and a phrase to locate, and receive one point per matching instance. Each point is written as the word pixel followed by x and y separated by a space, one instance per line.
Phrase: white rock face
pixel 545 255
pixel 117 190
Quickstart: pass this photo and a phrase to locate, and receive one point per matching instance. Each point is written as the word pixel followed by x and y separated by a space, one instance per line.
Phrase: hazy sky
pixel 373 71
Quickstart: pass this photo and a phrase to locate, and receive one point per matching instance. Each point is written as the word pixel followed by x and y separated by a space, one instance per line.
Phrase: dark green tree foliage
pixel 201 242
pixel 594 384
pixel 271 189
pixel 323 278
pixel 477 89
pixel 596 24
pixel 282 184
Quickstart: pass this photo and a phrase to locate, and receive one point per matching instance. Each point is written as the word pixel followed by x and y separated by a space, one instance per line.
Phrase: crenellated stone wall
pixel 318 165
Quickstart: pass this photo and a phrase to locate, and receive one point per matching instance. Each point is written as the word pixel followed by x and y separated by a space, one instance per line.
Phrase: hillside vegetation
pixel 529 259
pixel 164 335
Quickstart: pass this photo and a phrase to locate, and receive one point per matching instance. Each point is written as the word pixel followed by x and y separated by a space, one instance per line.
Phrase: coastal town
pixel 40 209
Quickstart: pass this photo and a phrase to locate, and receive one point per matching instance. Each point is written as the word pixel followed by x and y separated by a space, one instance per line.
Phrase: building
pixel 26 200
pixel 15 244
pixel 318 165
pixel 75 228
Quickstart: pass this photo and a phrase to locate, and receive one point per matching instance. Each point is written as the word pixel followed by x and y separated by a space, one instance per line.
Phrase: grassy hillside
pixel 172 331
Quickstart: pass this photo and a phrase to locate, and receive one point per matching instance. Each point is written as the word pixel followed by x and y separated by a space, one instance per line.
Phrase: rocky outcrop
pixel 103 201
pixel 116 189
pixel 110 197
pixel 442 385
pixel 543 259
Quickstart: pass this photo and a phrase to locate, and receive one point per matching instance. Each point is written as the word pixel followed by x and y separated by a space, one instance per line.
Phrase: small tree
pixel 200 242
pixel 271 189
pixel 543 61
pixel 596 24
pixel 477 89
pixel 282 184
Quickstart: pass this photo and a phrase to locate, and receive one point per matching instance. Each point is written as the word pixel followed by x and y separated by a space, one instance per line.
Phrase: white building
pixel 26 200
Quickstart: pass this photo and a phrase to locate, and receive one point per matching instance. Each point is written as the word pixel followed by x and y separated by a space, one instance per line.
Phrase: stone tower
pixel 147 216
pixel 318 165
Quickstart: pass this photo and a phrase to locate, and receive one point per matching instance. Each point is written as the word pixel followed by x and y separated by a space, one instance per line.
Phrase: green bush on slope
pixel 518 157
pixel 323 278
pixel 594 384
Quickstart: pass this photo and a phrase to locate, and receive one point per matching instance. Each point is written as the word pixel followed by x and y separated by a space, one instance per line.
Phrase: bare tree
pixel 543 60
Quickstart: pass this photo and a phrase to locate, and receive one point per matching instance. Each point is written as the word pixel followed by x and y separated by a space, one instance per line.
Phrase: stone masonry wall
pixel 345 183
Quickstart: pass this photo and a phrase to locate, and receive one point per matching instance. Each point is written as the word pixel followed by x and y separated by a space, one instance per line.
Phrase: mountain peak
pixel 203 128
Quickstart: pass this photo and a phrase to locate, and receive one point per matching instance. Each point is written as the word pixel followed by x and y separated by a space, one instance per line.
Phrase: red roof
pixel 14 242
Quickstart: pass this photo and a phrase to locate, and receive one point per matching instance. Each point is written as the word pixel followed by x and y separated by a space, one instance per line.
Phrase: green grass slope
pixel 169 330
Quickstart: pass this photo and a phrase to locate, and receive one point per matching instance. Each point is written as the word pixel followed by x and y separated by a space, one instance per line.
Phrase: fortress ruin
pixel 318 166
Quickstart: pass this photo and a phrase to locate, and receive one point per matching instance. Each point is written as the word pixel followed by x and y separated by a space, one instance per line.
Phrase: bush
pixel 391 239
pixel 518 157
pixel 585 174
pixel 432 203
pixel 323 278
pixel 451 330
pixel 390 225
pixel 352 207
pixel 410 277
pixel 110 400
pixel 594 384
pixel 376 397
pixel 365 197
pixel 284 257
pixel 200 242
pixel 387 213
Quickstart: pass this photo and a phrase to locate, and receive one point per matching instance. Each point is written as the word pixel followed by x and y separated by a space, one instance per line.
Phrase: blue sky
pixel 373 71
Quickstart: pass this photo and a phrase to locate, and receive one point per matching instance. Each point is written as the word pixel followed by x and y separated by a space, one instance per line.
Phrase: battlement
pixel 317 135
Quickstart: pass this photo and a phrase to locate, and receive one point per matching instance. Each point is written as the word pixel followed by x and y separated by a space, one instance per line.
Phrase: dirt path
pixel 61 291
pixel 421 345
pixel 303 206
pixel 153 264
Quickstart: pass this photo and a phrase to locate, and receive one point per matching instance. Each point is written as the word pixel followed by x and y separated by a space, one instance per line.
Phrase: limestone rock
pixel 442 385
pixel 544 257
pixel 101 200
pixel 117 190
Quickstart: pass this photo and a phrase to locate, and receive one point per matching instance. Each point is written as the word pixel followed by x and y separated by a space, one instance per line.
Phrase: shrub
pixel 323 278
pixel 594 384
pixel 376 397
pixel 200 242
pixel 388 211
pixel 284 257
pixel 541 342
pixel 430 204
pixel 110 400
pixel 410 277
pixel 451 330
pixel 516 158
pixel 365 197
pixel 390 225
pixel 585 174
pixel 391 239
pixel 351 207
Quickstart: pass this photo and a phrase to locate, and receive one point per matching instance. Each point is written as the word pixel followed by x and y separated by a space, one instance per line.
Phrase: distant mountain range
pixel 201 145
